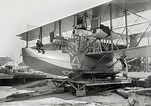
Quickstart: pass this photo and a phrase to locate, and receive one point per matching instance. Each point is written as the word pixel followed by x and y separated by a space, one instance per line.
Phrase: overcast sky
pixel 16 16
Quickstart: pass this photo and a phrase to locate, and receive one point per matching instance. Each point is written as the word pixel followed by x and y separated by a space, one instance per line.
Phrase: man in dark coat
pixel 39 47
pixel 105 29
pixel 122 59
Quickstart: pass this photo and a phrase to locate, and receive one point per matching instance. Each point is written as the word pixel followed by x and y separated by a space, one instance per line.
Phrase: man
pixel 106 29
pixel 39 47
pixel 122 59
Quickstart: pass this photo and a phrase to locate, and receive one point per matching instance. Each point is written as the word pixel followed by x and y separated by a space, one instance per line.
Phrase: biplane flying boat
pixel 95 42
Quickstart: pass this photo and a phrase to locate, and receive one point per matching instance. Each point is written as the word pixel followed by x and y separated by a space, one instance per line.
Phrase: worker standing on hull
pixel 122 59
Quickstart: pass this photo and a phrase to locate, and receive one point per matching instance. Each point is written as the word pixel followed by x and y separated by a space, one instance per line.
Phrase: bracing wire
pixel 64 30
pixel 138 16
pixel 136 20
pixel 44 33
pixel 119 22
pixel 105 12
pixel 133 12
pixel 143 34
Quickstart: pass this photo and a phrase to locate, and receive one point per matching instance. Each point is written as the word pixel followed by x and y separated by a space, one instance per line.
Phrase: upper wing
pixel 102 10
pixel 143 51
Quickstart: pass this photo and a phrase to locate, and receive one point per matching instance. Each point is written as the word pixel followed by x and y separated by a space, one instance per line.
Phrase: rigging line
pixel 132 59
pixel 132 18
pixel 121 36
pixel 131 25
pixel 137 17
pixel 124 36
pixel 128 29
pixel 142 35
pixel 119 22
pixel 72 48
pixel 141 27
pixel 136 20
pixel 120 40
pixel 65 30
pixel 105 12
pixel 132 12
pixel 66 23
pixel 116 47
pixel 134 37
pixel 44 33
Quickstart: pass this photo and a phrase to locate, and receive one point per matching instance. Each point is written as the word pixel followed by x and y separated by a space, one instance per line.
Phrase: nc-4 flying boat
pixel 90 43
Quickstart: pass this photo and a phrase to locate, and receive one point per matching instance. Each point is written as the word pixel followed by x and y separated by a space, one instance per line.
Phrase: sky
pixel 17 16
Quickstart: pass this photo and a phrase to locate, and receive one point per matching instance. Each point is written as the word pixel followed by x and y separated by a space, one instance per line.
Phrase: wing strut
pixel 111 25
pixel 27 39
pixel 126 29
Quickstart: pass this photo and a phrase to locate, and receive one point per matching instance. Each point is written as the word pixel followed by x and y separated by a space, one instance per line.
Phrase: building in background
pixel 4 60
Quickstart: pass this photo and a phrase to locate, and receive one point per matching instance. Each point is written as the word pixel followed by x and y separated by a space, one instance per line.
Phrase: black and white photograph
pixel 75 53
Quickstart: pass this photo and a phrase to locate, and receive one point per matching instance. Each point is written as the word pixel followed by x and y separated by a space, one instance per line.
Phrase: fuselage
pixel 58 63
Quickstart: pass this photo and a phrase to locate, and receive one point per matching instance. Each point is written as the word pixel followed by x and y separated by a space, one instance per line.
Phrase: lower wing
pixel 143 51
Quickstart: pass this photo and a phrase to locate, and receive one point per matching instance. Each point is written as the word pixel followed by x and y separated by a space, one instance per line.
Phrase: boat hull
pixel 49 64
pixel 62 64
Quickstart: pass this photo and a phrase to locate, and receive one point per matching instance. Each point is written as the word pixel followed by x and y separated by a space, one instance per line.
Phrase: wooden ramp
pixel 84 87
